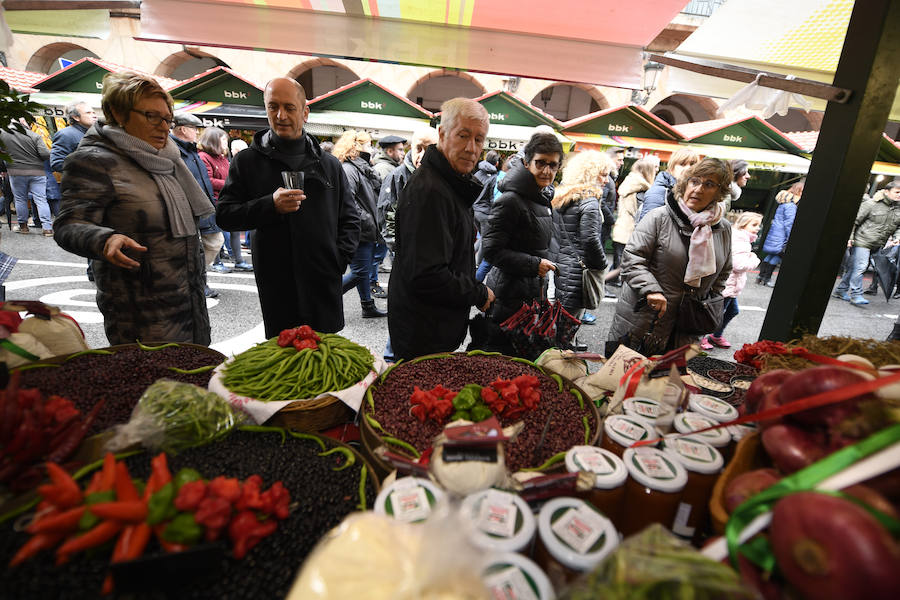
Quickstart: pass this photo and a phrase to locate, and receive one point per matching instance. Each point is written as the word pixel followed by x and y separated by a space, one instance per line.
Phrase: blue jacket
pixel 780 229
pixel 656 195
pixel 195 165
pixel 64 143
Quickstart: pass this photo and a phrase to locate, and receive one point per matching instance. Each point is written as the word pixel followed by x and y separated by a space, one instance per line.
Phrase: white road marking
pixel 241 342
pixel 66 298
pixel 751 308
pixel 83 265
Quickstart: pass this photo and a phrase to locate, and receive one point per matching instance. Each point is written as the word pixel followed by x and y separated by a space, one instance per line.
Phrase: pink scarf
pixel 702 252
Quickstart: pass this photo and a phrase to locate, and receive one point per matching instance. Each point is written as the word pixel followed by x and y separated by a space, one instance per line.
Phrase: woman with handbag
pixel 577 202
pixel 675 266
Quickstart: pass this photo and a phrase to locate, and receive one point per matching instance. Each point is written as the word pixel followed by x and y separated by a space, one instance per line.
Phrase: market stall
pixel 632 127
pixel 221 98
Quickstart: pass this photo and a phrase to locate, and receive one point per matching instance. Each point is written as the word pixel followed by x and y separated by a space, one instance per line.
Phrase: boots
pixel 370 311
pixel 765 273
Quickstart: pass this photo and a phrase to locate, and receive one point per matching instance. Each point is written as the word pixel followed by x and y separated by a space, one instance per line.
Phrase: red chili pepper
pixel 190 495
pixel 303 344
pixel 64 491
pixel 108 473
pixel 213 513
pixel 229 489
pixel 125 490
pixel 61 449
pixel 100 534
pixel 160 467
pixel 59 522
pixel 24 435
pixel 41 541
pixel 130 545
pixel 250 494
pixel 133 511
pixel 245 531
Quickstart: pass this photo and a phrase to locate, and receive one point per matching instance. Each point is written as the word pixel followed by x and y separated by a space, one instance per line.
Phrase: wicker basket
pixel 371 440
pixel 318 414
pixel 748 456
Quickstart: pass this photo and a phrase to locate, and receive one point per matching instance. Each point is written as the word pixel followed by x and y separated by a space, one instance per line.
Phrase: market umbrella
pixel 886 269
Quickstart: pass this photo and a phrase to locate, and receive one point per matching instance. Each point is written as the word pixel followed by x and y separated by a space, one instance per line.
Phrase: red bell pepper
pixel 190 495
pixel 213 513
pixel 246 531
pixel 227 488
pixel 251 494
pixel 276 501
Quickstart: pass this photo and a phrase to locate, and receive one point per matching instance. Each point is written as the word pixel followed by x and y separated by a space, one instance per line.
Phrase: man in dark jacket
pixel 299 252
pixel 185 133
pixel 432 284
pixel 388 156
pixel 80 116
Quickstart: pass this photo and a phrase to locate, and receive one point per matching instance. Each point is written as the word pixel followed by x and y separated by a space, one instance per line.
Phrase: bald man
pixel 304 238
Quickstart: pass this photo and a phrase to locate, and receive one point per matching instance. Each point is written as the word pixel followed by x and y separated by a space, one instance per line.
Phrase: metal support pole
pixel 847 145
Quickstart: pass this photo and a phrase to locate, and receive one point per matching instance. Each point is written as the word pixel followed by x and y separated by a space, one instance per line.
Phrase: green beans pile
pixel 268 372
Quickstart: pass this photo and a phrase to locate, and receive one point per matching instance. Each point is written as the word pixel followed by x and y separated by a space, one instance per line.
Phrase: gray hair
pixel 424 133
pixel 462 108
pixel 73 111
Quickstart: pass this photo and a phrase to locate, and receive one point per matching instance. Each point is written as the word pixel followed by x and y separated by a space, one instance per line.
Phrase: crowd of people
pixel 153 203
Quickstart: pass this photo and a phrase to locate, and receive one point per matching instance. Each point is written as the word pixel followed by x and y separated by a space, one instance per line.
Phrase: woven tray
pixel 748 455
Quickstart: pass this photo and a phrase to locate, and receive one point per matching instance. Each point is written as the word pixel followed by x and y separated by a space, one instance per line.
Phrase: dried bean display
pixel 119 376
pixel 324 486
pixel 567 418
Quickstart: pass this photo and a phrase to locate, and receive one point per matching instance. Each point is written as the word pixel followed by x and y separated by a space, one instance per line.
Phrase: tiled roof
pixel 20 80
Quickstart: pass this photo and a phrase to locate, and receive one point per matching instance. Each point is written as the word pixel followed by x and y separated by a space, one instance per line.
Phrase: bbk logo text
pixel 733 138
pixel 497 116
pixel 619 128
pixel 235 94
pixel 371 105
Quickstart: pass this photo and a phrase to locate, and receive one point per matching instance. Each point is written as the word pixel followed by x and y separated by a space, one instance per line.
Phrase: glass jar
pixel 712 407
pixel 720 439
pixel 621 431
pixel 609 472
pixel 497 520
pixel 511 575
pixel 408 499
pixel 653 490
pixel 703 464
pixel 655 411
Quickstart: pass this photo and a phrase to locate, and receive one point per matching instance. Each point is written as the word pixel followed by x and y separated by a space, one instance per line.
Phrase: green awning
pixel 747 132
pixel 219 84
pixel 370 97
pixel 630 120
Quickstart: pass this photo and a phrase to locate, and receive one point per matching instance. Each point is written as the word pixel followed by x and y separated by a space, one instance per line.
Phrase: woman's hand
pixel 544 266
pixel 112 251
pixel 657 302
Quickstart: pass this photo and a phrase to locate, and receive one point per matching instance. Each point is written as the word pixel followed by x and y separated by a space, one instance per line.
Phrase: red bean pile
pixel 566 428
pixel 121 378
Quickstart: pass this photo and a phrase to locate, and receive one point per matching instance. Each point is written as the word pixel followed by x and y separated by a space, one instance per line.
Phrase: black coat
pixel 486 175
pixel 362 179
pixel 580 221
pixel 519 234
pixel 298 258
pixel 432 285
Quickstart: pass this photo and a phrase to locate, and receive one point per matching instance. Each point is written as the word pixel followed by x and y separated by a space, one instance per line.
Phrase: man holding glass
pixel 307 228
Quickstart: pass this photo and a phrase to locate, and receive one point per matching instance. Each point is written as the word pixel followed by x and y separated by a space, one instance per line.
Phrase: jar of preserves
pixel 653 489
pixel 703 464
pixel 498 520
pixel 408 499
pixel 720 439
pixel 609 472
pixel 712 407
pixel 511 575
pixel 655 411
pixel 621 431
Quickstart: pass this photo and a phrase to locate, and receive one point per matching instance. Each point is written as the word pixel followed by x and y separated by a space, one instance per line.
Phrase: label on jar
pixel 654 466
pixel 695 451
pixel 714 406
pixel 409 502
pixel 497 514
pixel 580 528
pixel 509 584
pixel 630 430
pixel 680 526
pixel 695 423
pixel 646 409
pixel 595 462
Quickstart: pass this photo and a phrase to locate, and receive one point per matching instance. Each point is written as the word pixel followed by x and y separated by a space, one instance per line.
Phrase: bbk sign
pixel 235 94
pixel 214 122
pixel 497 116
pixel 613 128
pixel 506 145
pixel 368 105
pixel 737 139
pixel 99 85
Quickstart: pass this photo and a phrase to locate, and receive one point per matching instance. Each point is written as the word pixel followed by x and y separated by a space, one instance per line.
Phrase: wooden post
pixel 847 145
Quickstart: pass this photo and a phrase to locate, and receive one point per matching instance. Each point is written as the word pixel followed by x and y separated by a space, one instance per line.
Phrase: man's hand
pixel 112 251
pixel 287 201
pixel 490 300
pixel 657 302
pixel 544 266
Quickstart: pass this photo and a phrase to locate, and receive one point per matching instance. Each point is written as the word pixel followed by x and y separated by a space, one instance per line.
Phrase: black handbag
pixel 699 316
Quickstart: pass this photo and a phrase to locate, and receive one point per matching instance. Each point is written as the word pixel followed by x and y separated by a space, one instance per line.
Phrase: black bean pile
pixel 324 497
pixel 453 372
pixel 121 378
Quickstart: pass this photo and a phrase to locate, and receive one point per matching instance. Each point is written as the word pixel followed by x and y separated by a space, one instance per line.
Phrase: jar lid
pixel 408 499
pixel 575 533
pixel 509 571
pixel 639 406
pixel 607 467
pixel 712 407
pixel 739 432
pixel 695 454
pixel 497 520
pixel 689 422
pixel 655 469
pixel 626 429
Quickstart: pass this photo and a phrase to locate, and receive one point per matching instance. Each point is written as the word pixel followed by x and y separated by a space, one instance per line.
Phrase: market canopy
pixel 803 38
pixel 887 161
pixel 584 41
pixel 225 116
pixel 219 84
pixel 631 127
pixel 746 132
pixel 86 76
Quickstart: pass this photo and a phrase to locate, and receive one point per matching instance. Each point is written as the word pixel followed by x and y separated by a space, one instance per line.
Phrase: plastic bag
pixel 656 564
pixel 375 557
pixel 172 416
pixel 766 101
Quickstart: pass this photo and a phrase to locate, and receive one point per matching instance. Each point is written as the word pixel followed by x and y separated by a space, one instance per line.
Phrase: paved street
pixel 46 272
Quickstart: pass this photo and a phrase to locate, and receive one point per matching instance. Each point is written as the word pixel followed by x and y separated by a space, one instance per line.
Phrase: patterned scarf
pixel 182 195
pixel 702 252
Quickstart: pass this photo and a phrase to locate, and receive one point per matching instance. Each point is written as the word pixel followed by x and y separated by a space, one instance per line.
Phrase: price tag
pixel 509 584
pixel 580 528
pixel 629 429
pixel 655 466
pixel 409 502
pixel 498 513
pixel 694 450
pixel 595 462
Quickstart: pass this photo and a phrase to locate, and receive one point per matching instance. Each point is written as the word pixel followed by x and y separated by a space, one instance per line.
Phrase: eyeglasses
pixel 542 164
pixel 708 184
pixel 154 118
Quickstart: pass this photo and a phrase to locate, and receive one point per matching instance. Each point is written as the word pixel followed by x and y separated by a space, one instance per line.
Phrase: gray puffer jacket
pixel 877 221
pixel 104 192
pixel 655 260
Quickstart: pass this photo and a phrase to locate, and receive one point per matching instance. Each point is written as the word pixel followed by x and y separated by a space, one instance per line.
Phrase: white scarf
pixel 182 195
pixel 702 251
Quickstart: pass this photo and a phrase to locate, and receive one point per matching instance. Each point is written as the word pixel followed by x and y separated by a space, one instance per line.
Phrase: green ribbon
pixel 15 349
pixel 804 480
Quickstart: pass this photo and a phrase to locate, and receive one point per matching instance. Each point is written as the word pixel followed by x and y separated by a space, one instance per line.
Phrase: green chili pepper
pixel 550 462
pixel 193 371
pixel 183 530
pixel 375 424
pixel 587 429
pixel 264 429
pixel 185 475
pixel 558 380
pixel 83 352
pixel 362 487
pixel 161 506
pixel 160 347
pixel 35 366
pixel 577 394
pixel 307 436
pixel 348 455
pixel 421 358
pixel 402 444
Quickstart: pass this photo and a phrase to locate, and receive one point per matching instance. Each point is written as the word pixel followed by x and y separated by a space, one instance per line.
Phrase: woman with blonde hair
pixel 780 231
pixel 577 201
pixel 353 149
pixel 631 197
